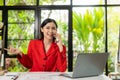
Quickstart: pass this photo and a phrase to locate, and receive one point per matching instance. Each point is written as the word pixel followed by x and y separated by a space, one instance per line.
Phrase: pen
pixel 14 78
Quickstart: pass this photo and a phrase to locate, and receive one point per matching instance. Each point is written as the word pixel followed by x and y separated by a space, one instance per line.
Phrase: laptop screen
pixel 90 64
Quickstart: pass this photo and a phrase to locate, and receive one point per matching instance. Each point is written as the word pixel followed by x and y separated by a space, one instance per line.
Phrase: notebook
pixel 88 65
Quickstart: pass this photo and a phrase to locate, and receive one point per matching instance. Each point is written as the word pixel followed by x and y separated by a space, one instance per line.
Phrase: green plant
pixel 89 29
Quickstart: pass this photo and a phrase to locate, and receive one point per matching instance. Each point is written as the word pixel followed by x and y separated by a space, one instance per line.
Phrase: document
pixel 12 75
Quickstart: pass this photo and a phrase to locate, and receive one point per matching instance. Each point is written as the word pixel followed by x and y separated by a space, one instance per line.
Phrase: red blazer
pixel 37 60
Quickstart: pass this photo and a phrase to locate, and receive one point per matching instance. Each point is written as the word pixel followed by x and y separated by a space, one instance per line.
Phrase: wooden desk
pixel 49 76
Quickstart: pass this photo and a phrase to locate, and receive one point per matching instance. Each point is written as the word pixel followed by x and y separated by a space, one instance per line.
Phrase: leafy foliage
pixel 89 29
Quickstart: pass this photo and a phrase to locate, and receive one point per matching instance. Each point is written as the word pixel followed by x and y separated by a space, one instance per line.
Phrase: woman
pixel 45 54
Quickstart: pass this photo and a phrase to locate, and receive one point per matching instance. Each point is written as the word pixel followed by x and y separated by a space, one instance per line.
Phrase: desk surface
pixel 47 76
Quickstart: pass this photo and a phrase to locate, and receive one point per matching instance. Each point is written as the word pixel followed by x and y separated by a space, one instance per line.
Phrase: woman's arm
pixel 62 60
pixel 26 59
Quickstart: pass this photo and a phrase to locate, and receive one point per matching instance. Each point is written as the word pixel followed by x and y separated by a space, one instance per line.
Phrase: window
pixel 20 2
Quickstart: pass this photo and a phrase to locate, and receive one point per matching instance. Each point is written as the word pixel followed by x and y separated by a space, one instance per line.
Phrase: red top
pixel 37 60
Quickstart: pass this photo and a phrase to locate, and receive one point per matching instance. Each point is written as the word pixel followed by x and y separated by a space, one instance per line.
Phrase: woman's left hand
pixel 59 41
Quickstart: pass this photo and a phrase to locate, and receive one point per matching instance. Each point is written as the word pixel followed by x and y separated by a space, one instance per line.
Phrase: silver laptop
pixel 88 65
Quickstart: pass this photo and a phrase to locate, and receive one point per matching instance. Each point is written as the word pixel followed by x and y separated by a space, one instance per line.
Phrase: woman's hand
pixel 13 51
pixel 58 38
pixel 59 41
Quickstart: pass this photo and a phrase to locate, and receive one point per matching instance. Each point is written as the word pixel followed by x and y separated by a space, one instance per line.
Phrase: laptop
pixel 88 65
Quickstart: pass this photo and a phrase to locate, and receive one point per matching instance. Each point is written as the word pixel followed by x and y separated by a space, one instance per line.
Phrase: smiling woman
pixel 44 54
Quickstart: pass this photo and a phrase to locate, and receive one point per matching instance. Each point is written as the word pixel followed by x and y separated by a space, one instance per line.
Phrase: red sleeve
pixel 26 60
pixel 61 61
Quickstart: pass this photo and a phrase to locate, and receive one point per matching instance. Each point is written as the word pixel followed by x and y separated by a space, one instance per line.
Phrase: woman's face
pixel 49 31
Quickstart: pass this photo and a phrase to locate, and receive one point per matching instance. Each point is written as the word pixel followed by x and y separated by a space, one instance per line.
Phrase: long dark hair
pixel 48 20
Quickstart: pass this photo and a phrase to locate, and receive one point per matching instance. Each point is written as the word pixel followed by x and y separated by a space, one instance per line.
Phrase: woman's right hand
pixel 13 51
